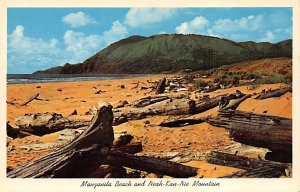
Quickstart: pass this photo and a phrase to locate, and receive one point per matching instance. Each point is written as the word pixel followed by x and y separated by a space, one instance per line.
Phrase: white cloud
pixel 26 54
pixel 116 32
pixel 19 43
pixel 35 53
pixel 80 45
pixel 143 17
pixel 197 25
pixel 162 32
pixel 237 30
pixel 78 19
pixel 268 37
pixel 250 23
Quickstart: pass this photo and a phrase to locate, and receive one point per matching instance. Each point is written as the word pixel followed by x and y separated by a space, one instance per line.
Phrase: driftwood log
pixel 275 93
pixel 234 103
pixel 15 132
pixel 213 88
pixel 272 132
pixel 161 85
pixel 150 164
pixel 11 132
pixel 166 107
pixel 206 104
pixel 94 147
pixel 30 99
pixel 130 148
pixel 80 157
pixel 255 168
pixel 45 123
pixel 143 102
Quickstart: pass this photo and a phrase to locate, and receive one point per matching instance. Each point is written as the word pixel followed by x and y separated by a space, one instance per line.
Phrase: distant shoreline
pixel 49 78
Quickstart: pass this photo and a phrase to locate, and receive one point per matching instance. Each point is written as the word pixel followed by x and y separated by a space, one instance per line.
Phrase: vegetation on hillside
pixel 172 53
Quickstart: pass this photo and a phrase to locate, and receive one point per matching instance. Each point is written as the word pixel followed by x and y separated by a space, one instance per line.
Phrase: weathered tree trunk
pixel 254 167
pixel 276 93
pixel 15 132
pixel 160 88
pixel 80 157
pixel 260 172
pixel 151 165
pixel 272 132
pixel 130 148
pixel 212 88
pixel 143 102
pixel 30 99
pixel 204 105
pixel 11 132
pixel 45 123
pixel 166 107
pixel 233 104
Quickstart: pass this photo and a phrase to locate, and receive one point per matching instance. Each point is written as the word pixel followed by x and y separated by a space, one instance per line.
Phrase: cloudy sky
pixel 39 38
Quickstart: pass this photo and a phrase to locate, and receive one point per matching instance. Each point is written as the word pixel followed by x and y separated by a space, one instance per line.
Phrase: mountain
pixel 171 53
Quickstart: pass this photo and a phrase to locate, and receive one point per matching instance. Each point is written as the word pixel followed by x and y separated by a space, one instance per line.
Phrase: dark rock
pixel 74 113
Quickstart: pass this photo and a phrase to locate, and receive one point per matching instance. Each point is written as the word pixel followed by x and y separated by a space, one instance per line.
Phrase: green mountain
pixel 171 53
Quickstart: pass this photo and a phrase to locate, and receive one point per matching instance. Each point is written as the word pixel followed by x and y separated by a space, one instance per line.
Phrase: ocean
pixel 46 78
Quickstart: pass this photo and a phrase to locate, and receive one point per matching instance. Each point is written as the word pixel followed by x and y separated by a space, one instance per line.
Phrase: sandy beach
pixel 65 97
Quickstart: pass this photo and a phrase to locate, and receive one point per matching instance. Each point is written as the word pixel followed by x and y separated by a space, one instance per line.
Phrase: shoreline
pixel 51 78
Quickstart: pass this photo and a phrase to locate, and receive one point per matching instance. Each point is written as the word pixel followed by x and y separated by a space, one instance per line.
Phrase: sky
pixel 40 38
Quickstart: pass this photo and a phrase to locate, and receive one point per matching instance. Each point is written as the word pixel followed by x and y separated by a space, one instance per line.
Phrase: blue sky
pixel 39 38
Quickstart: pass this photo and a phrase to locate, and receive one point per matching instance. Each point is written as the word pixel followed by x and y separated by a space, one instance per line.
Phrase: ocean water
pixel 46 78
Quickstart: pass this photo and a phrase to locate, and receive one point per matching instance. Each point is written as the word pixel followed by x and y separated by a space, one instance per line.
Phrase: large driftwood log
pixel 160 87
pixel 233 104
pixel 260 172
pixel 45 123
pixel 151 165
pixel 15 132
pixel 11 132
pixel 165 107
pixel 80 157
pixel 254 167
pixel 275 93
pixel 272 132
pixel 206 104
pixel 30 99
pixel 212 88
pixel 143 102
pixel 130 148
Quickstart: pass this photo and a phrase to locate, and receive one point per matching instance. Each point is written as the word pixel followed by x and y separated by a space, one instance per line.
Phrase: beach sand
pixel 65 97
